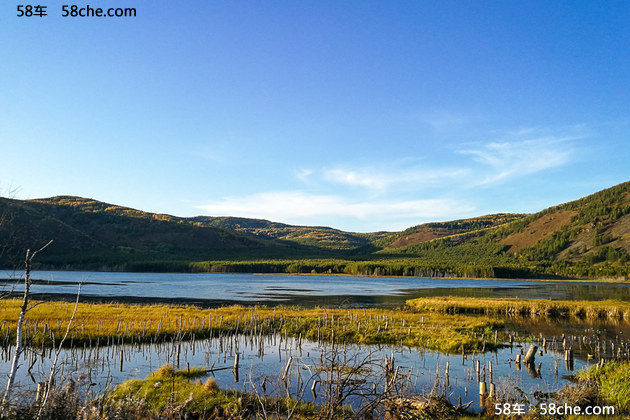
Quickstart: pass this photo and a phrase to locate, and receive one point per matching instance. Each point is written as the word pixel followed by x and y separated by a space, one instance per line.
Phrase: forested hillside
pixel 589 237
pixel 92 234
pixel 429 231
pixel 315 236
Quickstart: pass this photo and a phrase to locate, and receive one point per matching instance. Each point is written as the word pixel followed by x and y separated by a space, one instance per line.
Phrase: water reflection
pixel 264 360
pixel 211 290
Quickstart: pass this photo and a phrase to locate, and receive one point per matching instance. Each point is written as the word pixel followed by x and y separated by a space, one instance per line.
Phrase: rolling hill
pixel 312 236
pixel 93 234
pixel 430 231
pixel 589 237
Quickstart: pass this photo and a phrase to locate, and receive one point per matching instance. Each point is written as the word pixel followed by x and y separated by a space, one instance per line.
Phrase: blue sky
pixel 360 115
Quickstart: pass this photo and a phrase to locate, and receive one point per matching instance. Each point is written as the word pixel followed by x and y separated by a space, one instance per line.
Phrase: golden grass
pixel 449 324
pixel 169 393
pixel 612 383
pixel 135 323
pixel 606 309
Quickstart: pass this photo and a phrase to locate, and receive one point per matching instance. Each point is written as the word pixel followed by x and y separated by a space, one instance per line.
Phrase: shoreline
pixel 618 280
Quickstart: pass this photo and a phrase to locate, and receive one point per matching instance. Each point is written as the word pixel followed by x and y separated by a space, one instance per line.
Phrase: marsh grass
pixel 430 407
pixel 123 323
pixel 170 391
pixel 612 382
pixel 448 324
pixel 174 394
pixel 606 309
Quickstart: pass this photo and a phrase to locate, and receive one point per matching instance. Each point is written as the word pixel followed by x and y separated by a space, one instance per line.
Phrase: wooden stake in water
pixel 446 374
pixel 236 360
pixel 286 369
pixel 314 389
pixel 41 391
pixel 530 357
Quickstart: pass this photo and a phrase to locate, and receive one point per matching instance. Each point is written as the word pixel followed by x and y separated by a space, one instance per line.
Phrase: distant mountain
pixel 93 234
pixel 312 236
pixel 589 237
pixel 90 233
pixel 594 229
pixel 430 231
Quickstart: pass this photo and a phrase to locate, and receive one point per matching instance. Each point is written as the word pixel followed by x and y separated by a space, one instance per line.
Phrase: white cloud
pixel 517 158
pixel 379 180
pixel 302 207
pixel 380 197
pixel 304 175
pixel 356 178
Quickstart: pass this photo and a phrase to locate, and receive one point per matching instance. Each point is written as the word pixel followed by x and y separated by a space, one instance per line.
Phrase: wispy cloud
pixel 514 154
pixel 360 178
pixel 509 159
pixel 303 207
pixel 304 175
pixel 379 180
pixel 376 197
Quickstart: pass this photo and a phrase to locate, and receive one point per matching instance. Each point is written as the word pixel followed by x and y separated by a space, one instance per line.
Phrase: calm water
pixel 419 371
pixel 307 290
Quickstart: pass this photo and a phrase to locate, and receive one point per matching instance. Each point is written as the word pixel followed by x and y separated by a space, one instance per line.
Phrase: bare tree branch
pixel 19 348
pixel 53 368
pixel 35 305
pixel 40 250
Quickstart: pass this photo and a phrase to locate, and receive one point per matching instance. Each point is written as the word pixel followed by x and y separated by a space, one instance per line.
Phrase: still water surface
pixel 307 290
pixel 265 358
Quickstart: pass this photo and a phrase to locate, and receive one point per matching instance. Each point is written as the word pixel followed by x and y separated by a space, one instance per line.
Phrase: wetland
pixel 307 339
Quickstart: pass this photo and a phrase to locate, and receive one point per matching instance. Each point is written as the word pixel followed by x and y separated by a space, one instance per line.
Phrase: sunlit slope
pixel 91 233
pixel 589 237
pixel 586 237
pixel 430 231
pixel 313 236
pixel 592 231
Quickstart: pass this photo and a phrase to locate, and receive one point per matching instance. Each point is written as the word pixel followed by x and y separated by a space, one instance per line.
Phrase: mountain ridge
pixel 588 237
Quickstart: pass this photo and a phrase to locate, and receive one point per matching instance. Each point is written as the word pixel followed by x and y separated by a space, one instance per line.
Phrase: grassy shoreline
pixel 605 309
pixel 146 323
pixel 448 324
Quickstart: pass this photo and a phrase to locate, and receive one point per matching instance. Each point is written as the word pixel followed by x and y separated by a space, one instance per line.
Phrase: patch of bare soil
pixel 538 230
pixel 424 235
pixel 582 243
pixel 621 230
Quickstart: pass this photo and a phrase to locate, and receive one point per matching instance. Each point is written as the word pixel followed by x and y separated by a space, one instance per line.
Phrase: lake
pixel 210 290
pixel 265 357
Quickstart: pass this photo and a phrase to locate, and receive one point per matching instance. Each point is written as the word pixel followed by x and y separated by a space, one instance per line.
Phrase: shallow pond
pixel 265 358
